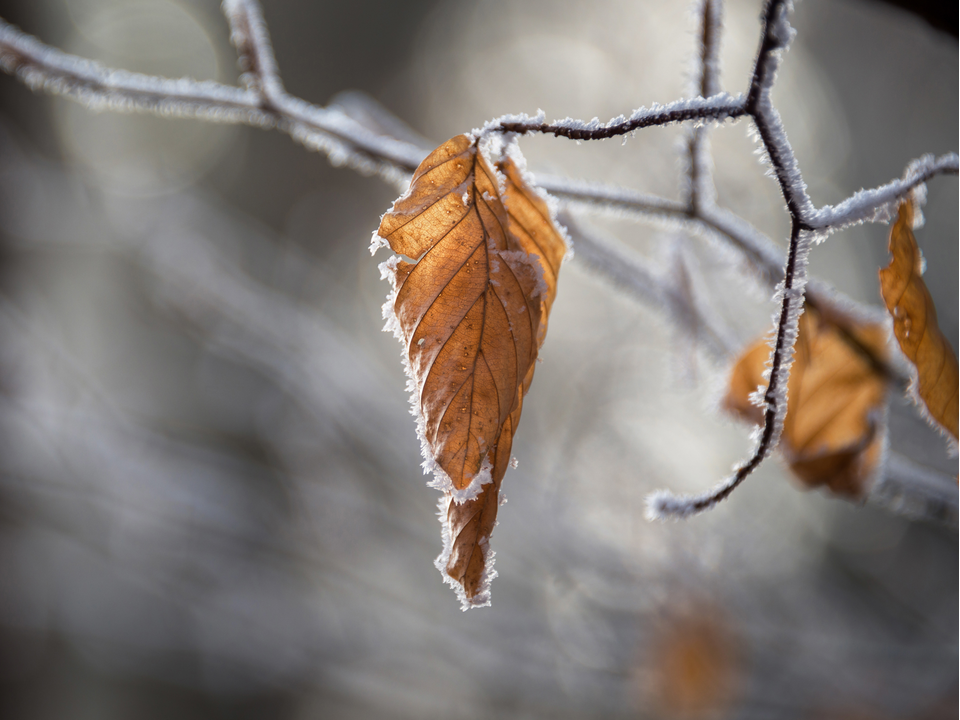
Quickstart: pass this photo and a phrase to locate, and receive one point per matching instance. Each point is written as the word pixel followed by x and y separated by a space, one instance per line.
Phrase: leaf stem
pixel 719 107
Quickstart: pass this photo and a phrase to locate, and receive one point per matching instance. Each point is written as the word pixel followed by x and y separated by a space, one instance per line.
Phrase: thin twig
pixel 663 504
pixel 248 33
pixel 776 35
pixel 698 185
pixel 344 139
pixel 762 255
pixel 878 204
pixel 333 131
pixel 710 29
pixel 626 270
pixel 717 108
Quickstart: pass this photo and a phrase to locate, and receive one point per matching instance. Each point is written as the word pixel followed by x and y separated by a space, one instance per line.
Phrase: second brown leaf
pixel 833 432
pixel 915 325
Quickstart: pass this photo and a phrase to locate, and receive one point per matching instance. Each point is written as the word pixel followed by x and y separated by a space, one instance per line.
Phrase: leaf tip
pixel 481 595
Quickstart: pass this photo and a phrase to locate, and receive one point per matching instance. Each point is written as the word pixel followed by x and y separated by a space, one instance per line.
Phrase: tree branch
pixel 698 186
pixel 879 204
pixel 719 107
pixel 265 103
pixel 662 504
pixel 331 131
pixel 347 141
pixel 248 33
pixel 775 38
pixel 627 270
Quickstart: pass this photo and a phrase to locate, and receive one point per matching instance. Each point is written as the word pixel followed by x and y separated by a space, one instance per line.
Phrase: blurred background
pixel 211 502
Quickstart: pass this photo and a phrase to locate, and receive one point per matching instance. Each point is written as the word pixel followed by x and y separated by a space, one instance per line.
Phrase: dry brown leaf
pixel 915 325
pixel 472 313
pixel 832 434
pixel 692 667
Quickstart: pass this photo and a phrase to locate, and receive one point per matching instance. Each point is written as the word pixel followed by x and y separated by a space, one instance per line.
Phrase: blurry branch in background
pixel 361 136
pixel 621 266
pixel 80 446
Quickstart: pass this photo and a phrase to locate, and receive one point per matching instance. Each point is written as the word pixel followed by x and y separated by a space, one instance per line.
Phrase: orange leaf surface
pixel 832 433
pixel 693 666
pixel 471 311
pixel 915 325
